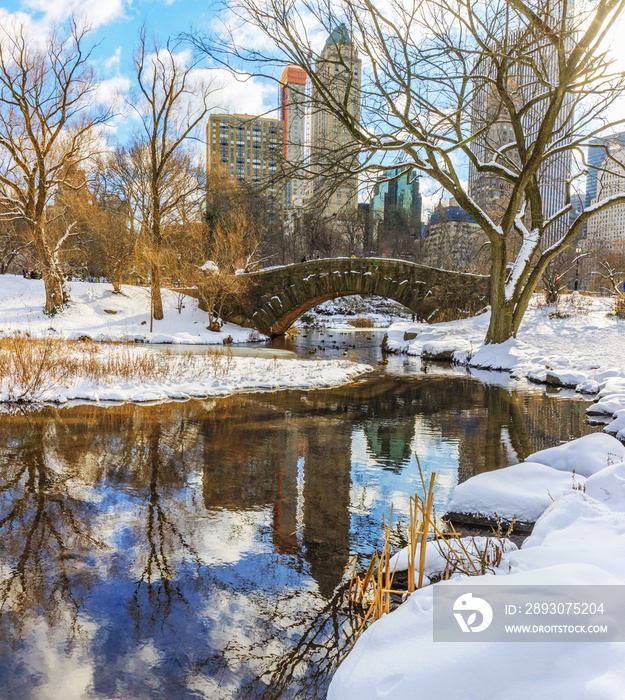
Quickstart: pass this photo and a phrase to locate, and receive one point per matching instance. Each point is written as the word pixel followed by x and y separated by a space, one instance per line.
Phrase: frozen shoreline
pixel 121 372
pixel 575 494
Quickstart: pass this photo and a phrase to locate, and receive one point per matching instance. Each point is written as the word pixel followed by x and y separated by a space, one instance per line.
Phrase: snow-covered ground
pixel 129 372
pixel 578 540
pixel 588 345
pixel 96 312
pixel 584 351
pixel 121 372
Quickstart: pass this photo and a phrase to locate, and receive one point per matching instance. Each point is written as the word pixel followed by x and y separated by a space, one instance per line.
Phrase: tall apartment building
pixel 606 177
pixel 249 149
pixel 488 116
pixel 339 68
pixel 293 104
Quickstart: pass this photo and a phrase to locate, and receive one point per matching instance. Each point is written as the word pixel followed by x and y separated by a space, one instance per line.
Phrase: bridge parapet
pixel 276 297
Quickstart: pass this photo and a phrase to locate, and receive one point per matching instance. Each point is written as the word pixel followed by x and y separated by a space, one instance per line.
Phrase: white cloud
pixel 114 62
pixel 243 95
pixel 94 13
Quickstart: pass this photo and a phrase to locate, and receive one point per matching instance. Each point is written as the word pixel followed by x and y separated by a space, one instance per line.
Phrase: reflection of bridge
pixel 276 297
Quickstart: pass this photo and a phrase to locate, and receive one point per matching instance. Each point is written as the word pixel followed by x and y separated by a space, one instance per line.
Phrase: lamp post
pixel 578 250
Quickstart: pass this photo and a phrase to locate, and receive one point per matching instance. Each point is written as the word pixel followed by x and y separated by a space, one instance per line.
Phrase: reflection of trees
pixel 48 525
pixel 162 546
pixel 309 663
pixel 280 463
pixel 45 534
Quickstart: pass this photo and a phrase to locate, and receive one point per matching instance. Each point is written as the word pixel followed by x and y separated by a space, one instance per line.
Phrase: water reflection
pixel 197 549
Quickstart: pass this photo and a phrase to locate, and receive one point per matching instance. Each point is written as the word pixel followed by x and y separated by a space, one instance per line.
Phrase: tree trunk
pixel 157 299
pixel 501 326
pixel 55 293
pixel 51 274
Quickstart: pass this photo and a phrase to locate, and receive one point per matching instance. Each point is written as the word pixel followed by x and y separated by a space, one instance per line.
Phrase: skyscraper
pixel 606 177
pixel 394 199
pixel 293 114
pixel 492 122
pixel 249 149
pixel 331 145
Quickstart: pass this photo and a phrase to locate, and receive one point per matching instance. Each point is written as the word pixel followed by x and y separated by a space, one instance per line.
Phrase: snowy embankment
pixel 94 311
pixel 579 539
pixel 121 372
pixel 584 351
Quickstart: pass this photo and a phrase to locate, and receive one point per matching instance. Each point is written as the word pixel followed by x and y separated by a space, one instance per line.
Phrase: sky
pixel 116 24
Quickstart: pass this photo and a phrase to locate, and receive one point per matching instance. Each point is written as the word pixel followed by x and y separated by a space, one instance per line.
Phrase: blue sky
pixel 116 24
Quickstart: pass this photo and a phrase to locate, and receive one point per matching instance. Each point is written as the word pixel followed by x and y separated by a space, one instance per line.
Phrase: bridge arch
pixel 276 297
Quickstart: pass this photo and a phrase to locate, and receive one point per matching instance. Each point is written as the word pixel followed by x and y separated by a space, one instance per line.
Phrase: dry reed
pixel 361 322
pixel 374 595
pixel 31 369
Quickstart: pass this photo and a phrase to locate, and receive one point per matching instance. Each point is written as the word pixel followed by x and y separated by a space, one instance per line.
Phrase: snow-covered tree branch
pixel 514 90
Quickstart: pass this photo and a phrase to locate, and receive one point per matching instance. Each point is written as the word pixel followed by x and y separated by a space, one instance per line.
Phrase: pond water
pixel 198 549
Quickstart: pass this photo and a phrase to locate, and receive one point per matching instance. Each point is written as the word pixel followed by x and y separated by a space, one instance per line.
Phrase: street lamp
pixel 578 250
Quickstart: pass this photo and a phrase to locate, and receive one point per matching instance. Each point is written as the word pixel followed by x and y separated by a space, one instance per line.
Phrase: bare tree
pixel 171 104
pixel 605 265
pixel 442 81
pixel 14 245
pixel 112 239
pixel 230 243
pixel 557 274
pixel 48 119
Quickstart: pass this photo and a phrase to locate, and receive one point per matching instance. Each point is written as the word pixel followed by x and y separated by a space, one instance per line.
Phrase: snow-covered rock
pixel 522 492
pixel 586 455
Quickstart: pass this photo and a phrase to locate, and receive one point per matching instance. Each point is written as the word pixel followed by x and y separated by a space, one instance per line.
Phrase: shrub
pixel 619 307
pixel 361 322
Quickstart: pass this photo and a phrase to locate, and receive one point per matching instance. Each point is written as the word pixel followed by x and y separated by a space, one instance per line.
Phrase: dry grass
pixel 361 322
pixel 375 595
pixel 30 369
pixel 619 307
pixel 566 305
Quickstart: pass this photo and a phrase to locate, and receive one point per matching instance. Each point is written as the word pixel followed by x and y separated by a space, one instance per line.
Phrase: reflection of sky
pixel 221 611
pixel 375 488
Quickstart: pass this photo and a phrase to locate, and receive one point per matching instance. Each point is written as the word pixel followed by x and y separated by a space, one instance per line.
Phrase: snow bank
pixel 545 350
pixel 94 311
pixel 608 486
pixel 586 455
pixel 455 556
pixel 522 492
pixel 578 540
pixel 178 376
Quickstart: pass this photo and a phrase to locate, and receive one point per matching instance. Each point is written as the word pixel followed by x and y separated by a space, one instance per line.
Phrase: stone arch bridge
pixel 276 297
